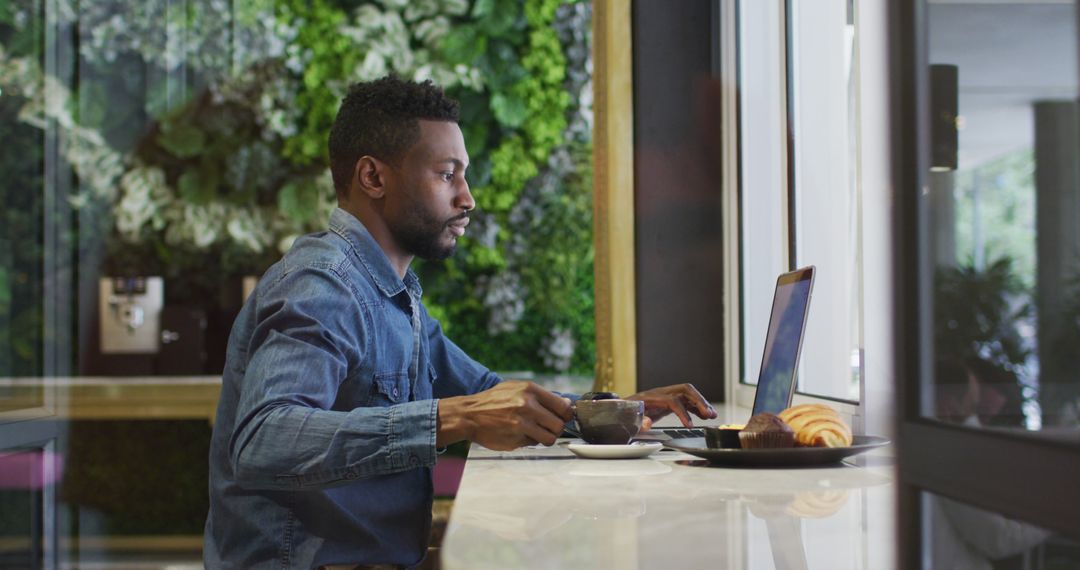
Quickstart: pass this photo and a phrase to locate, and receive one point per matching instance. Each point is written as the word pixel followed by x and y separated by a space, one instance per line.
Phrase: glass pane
pixel 1004 214
pixel 826 197
pixel 820 218
pixel 160 155
pixel 763 188
pixel 22 167
pixel 964 536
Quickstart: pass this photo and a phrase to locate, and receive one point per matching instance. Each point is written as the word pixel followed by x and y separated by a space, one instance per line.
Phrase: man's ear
pixel 370 177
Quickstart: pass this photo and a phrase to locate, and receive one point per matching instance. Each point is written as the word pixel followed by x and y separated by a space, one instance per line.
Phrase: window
pixel 160 154
pixel 1003 214
pixel 799 188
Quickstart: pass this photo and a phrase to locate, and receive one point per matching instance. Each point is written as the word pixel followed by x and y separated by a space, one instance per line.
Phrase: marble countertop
pixel 546 508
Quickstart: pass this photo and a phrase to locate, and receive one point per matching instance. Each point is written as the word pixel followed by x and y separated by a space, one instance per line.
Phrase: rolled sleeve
pixel 412 433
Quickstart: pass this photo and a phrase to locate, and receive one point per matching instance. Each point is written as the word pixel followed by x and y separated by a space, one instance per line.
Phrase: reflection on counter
pixel 554 511
pixel 781 514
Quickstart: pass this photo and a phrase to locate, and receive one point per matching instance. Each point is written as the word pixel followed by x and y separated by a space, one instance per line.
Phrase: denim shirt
pixel 325 432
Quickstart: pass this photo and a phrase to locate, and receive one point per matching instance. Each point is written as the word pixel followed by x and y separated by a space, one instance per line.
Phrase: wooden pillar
pixel 613 199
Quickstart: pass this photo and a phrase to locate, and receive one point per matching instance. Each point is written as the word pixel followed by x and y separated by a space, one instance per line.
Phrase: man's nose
pixel 464 199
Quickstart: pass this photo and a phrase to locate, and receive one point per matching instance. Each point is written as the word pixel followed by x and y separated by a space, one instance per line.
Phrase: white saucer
pixel 629 451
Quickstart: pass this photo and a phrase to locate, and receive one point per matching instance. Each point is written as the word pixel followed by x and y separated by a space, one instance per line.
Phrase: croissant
pixel 817 504
pixel 817 425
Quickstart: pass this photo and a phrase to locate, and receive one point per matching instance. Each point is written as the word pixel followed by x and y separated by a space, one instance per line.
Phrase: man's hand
pixel 508 416
pixel 680 399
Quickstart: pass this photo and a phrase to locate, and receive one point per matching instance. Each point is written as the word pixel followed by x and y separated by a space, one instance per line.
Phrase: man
pixel 338 386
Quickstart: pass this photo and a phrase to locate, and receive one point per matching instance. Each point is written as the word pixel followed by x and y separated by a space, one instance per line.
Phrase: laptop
pixel 783 344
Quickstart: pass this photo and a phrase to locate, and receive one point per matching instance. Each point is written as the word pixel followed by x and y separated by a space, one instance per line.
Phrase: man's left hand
pixel 680 399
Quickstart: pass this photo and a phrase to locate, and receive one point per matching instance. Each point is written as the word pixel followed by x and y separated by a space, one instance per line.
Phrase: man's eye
pixel 448 176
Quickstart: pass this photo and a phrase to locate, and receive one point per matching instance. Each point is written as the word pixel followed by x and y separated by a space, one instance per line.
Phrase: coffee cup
pixel 608 422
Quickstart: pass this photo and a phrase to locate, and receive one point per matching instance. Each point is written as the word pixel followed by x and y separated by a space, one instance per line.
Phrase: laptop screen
pixel 787 321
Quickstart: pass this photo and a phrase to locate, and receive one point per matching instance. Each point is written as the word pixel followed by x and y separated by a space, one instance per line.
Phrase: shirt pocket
pixel 389 388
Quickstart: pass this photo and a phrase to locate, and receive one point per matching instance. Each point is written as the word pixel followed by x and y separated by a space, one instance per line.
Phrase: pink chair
pixel 447 475
pixel 31 469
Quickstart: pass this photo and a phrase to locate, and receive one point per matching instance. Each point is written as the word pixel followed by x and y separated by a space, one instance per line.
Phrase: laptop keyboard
pixel 683 432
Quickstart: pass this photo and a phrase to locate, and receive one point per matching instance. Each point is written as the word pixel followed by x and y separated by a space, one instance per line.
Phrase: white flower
pixel 469 77
pixel 373 67
pixel 557 349
pixel 585 100
pixel 431 31
pixel 503 296
pixel 455 7
pixel 485 230
pixel 143 192
pixel 247 228
pixel 417 9
pixel 98 166
pixel 389 42
pixel 199 225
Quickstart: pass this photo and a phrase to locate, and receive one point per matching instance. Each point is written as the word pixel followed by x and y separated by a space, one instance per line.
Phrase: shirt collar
pixel 372 257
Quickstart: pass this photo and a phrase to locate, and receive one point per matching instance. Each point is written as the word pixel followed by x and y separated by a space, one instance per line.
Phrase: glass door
pixel 987 200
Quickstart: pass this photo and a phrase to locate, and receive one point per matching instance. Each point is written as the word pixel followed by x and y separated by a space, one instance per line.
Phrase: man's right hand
pixel 508 416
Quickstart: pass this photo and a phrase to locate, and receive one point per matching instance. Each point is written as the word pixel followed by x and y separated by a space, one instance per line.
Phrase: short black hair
pixel 380 118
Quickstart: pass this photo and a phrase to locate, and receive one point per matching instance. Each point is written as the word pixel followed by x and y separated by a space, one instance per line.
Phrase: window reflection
pixel 1004 215
pixel 963 537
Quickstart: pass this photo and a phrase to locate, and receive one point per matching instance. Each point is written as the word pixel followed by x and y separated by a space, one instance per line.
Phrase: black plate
pixel 786 457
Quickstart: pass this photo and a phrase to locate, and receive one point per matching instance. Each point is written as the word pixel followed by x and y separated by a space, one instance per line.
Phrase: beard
pixel 422 235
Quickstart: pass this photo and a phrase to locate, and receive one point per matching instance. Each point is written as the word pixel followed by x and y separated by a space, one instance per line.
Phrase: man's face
pixel 428 199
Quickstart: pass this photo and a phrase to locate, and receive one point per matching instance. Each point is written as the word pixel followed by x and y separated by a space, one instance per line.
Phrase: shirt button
pixel 414 460
pixel 350 474
pixel 396 392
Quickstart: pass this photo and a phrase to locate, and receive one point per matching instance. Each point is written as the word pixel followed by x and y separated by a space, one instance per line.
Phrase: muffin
pixel 723 437
pixel 766 431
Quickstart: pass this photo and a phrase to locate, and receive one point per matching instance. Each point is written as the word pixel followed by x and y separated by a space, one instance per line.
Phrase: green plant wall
pixel 197 132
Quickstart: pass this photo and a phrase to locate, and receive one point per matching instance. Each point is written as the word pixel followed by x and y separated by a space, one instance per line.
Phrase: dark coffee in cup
pixel 608 422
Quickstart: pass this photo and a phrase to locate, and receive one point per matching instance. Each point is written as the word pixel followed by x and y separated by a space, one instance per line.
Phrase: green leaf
pixel 483 8
pixel 183 141
pixel 479 173
pixel 509 109
pixel 5 287
pixel 464 44
pixel 298 200
pixel 481 257
pixel 197 186
pixel 157 100
pixel 476 135
pixel 504 19
pixel 93 105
